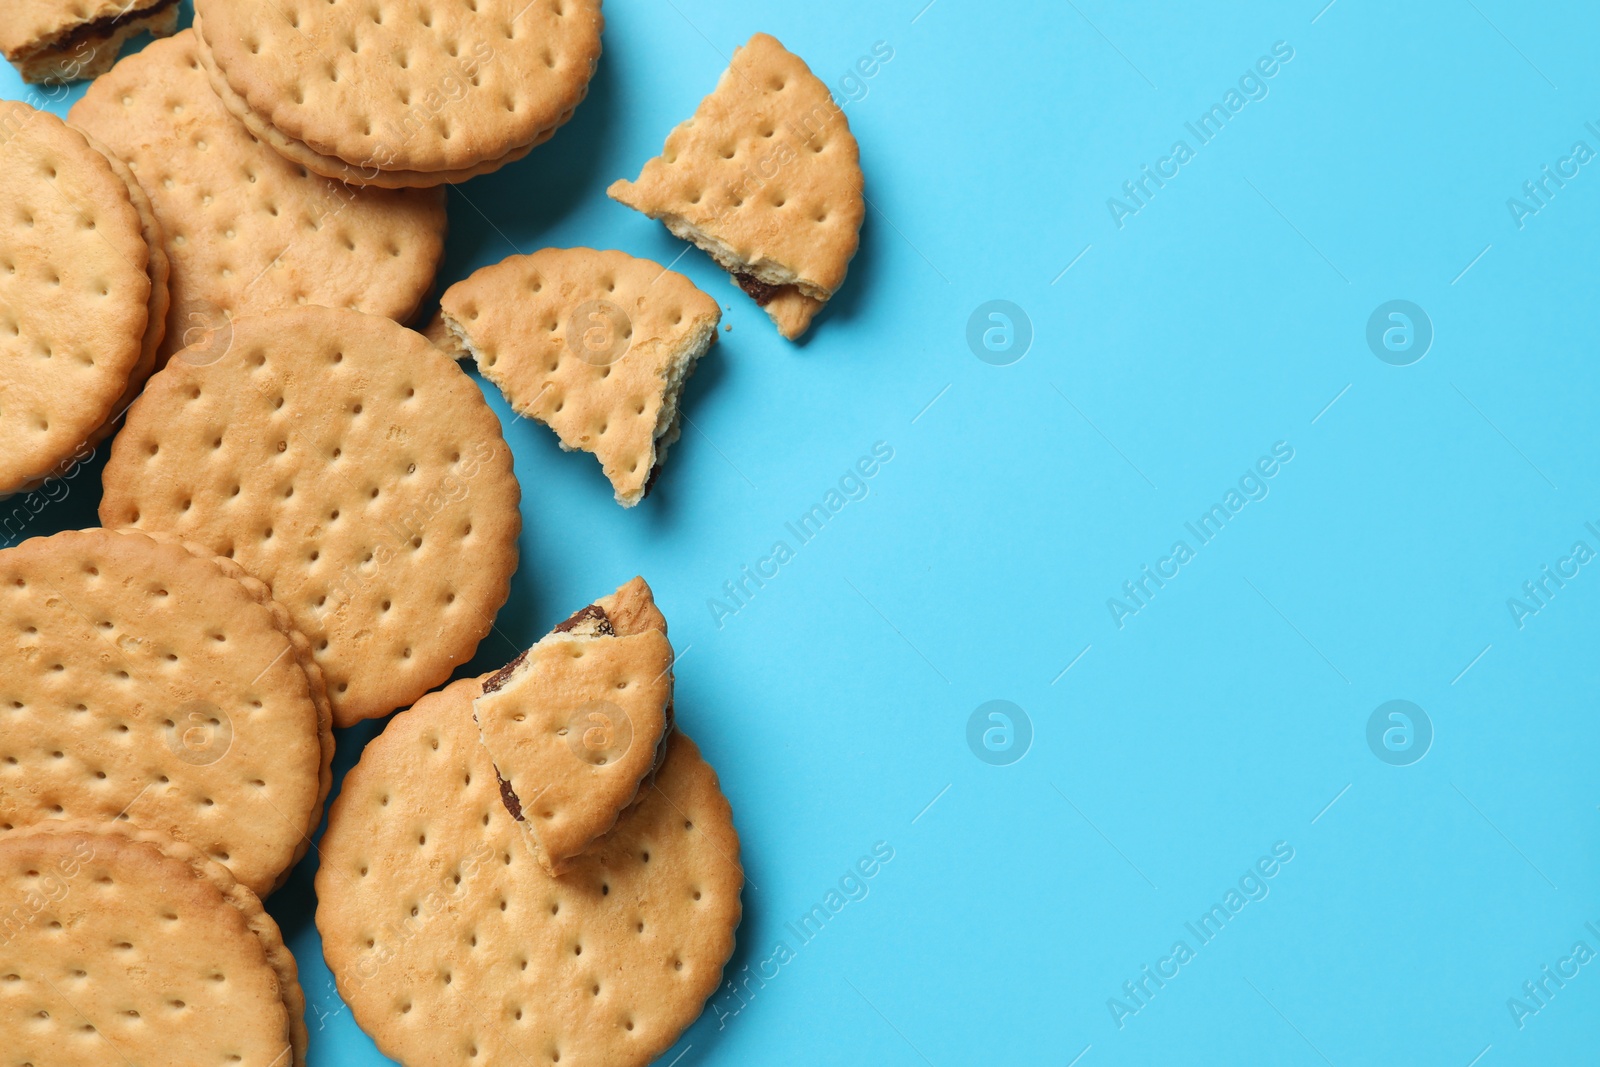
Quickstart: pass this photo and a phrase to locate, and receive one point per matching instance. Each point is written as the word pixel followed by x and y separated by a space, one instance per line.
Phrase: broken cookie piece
pixel 56 41
pixel 766 179
pixel 595 345
pixel 577 724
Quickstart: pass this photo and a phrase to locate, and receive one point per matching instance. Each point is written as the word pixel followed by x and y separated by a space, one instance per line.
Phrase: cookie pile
pixel 148 682
pixel 311 519
pixel 345 462
pixel 446 931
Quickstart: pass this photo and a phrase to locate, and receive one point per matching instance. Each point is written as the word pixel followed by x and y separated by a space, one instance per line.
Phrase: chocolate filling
pixel 760 291
pixel 509 798
pixel 104 27
pixel 578 618
pixel 496 681
pixel 650 482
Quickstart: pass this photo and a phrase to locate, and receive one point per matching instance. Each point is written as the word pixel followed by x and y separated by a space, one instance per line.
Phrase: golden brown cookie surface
pixel 145 684
pixel 248 230
pixel 452 944
pixel 766 178
pixel 66 40
pixel 342 460
pixel 121 949
pixel 595 345
pixel 74 293
pixel 574 725
pixel 427 88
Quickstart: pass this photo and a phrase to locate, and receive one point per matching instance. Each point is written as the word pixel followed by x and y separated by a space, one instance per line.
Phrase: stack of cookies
pixel 401 94
pixel 535 865
pixel 165 745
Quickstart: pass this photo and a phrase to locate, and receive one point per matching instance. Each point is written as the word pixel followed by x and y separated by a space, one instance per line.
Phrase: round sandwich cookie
pixel 249 231
pixel 349 465
pixel 401 92
pixel 121 946
pixel 452 944
pixel 150 685
pixel 74 295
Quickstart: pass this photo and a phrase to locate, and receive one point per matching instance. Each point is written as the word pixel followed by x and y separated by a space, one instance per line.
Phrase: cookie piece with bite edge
pixel 52 41
pixel 596 345
pixel 766 179
pixel 576 724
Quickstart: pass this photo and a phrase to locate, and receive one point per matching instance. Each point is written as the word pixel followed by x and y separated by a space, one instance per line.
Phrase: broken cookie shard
pixel 57 41
pixel 597 345
pixel 576 725
pixel 766 179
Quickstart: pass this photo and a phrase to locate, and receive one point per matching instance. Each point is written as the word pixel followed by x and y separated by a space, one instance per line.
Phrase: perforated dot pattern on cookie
pixel 452 945
pixel 116 952
pixel 343 461
pixel 766 175
pixel 596 345
pixel 140 683
pixel 574 728
pixel 74 293
pixel 418 85
pixel 248 230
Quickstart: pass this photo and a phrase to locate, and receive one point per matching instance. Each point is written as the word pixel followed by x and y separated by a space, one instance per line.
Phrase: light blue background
pixel 1231 712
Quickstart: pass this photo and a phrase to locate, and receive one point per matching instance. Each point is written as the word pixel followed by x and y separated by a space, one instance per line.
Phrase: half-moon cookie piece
pixel 411 95
pixel 247 230
pixel 766 179
pixel 74 295
pixel 55 41
pixel 146 684
pixel 123 946
pixel 576 724
pixel 595 345
pixel 452 944
pixel 342 460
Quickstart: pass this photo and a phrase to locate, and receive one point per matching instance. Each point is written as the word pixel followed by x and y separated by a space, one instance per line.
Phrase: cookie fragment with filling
pixel 56 41
pixel 766 179
pixel 597 345
pixel 575 725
